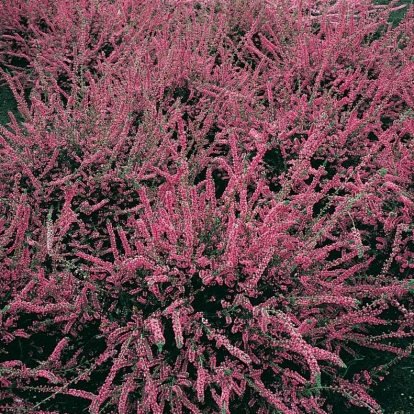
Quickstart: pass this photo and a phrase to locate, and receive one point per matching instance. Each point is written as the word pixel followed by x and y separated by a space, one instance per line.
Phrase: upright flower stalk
pixel 204 207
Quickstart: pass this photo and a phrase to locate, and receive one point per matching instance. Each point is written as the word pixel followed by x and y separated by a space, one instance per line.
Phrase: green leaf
pixel 318 380
pixel 409 284
pixel 5 309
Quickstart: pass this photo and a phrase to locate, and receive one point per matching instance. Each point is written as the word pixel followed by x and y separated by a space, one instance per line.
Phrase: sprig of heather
pixel 208 194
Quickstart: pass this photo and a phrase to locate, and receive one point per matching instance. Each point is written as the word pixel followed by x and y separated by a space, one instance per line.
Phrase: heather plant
pixel 208 206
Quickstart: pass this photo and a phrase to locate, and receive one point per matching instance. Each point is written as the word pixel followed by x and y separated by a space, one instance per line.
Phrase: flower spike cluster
pixel 205 206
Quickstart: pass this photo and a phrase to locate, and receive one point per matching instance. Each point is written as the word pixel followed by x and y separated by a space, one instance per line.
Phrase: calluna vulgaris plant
pixel 208 207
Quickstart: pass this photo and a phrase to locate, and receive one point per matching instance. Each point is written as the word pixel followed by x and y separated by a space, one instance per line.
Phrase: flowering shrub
pixel 208 207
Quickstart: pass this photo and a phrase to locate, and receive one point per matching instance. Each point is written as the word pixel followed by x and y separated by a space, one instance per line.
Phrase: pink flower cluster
pixel 204 206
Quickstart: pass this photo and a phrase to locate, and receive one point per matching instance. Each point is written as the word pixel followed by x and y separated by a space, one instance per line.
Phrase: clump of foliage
pixel 207 206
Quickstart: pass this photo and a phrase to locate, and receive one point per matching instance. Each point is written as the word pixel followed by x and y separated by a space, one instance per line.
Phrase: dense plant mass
pixel 207 207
